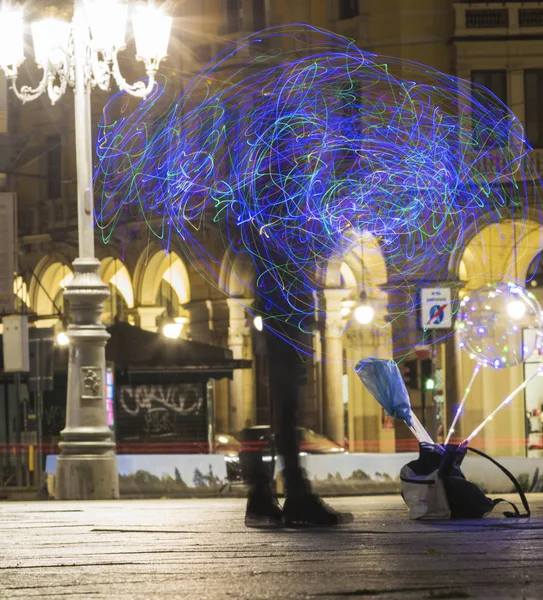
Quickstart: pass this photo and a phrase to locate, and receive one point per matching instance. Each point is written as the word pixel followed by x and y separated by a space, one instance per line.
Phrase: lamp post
pixel 83 55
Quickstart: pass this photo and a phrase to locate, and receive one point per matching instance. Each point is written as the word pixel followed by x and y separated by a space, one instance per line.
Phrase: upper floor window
pixel 494 80
pixel 348 9
pixel 54 166
pixel 533 107
pixel 490 83
pixel 233 15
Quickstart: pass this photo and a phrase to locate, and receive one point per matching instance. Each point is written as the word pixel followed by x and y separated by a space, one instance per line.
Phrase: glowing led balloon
pixel 491 321
pixel 516 309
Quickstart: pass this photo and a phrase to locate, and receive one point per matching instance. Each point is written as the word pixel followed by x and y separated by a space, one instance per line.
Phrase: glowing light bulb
pixel 172 330
pixel 516 309
pixel 364 314
pixel 63 339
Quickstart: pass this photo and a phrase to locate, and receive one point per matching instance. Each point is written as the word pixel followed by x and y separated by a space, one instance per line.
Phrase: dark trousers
pixel 283 370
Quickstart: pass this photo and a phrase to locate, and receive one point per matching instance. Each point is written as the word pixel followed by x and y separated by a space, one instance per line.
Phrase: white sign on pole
pixel 436 310
pixel 7 251
pixel 15 344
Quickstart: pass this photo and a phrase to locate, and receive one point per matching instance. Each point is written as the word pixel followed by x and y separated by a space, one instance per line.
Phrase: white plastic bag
pixel 424 495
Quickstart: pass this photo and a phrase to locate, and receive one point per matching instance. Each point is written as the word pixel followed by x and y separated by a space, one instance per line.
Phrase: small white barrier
pixel 347 473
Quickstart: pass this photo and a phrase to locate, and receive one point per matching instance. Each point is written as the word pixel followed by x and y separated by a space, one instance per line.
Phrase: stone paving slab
pixel 146 549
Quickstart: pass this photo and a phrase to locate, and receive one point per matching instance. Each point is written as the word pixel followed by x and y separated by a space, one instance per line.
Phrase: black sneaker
pixel 263 510
pixel 308 510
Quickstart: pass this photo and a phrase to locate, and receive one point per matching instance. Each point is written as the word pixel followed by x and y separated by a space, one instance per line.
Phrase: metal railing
pixel 486 18
pixel 478 18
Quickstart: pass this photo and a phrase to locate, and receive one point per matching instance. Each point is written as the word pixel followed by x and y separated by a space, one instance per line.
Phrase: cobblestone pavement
pixel 200 549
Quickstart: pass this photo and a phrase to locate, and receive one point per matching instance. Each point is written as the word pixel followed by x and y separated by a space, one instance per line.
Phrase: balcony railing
pixel 486 18
pixel 489 18
pixel 530 17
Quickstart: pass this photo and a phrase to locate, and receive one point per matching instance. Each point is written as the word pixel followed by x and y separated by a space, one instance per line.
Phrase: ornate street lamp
pixel 83 55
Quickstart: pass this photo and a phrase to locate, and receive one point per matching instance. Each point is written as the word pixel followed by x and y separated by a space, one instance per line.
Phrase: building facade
pixel 496 44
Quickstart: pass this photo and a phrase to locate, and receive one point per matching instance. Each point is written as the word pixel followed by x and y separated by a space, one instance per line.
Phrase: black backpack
pixel 434 487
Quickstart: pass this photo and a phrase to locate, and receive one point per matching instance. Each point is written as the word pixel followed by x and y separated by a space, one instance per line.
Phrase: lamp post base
pixel 87 465
pixel 87 477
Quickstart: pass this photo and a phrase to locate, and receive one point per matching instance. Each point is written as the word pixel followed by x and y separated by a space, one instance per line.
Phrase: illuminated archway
pixel 245 397
pixel 499 252
pixel 359 273
pixel 20 290
pixel 360 270
pixel 237 276
pixel 114 273
pixel 363 260
pixel 162 287
pixel 48 285
pixel 161 268
pixel 347 277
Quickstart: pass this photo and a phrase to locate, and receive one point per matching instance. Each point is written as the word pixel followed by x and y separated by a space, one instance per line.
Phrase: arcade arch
pixel 237 275
pixel 121 300
pixel 162 288
pixel 499 252
pixel 350 411
pixel 20 289
pixel 47 289
pixel 245 397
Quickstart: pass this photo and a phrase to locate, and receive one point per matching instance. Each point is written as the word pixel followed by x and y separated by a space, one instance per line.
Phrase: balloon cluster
pixel 291 143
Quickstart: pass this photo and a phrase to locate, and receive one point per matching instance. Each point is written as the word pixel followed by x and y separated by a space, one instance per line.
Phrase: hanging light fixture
pixel 62 338
pixel 364 312
pixel 172 326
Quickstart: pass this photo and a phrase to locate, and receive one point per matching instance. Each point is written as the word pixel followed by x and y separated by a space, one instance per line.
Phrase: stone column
pixel 148 316
pixel 333 410
pixel 3 119
pixel 242 405
pixel 218 336
pixel 201 320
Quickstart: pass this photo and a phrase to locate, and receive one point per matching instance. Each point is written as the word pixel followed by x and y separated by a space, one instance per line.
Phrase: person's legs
pixel 302 507
pixel 263 509
pixel 288 444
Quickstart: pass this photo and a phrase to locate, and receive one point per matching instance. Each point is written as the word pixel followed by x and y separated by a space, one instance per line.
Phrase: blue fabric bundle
pixel 384 381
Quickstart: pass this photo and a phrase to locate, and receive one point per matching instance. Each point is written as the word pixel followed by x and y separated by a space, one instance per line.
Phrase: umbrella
pixel 384 381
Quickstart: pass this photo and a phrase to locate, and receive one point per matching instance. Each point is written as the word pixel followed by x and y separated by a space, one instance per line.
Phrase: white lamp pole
pixel 82 56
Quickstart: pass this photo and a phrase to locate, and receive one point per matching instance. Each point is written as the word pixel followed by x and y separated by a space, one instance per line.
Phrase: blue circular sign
pixel 437 314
